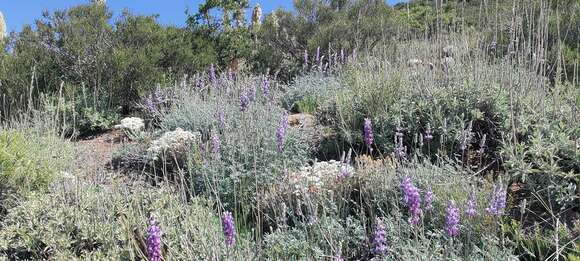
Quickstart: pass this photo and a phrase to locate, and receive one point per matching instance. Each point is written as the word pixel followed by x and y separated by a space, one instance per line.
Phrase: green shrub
pixel 97 223
pixel 537 243
pixel 542 154
pixel 396 96
pixel 308 92
pixel 75 114
pixel 322 237
pixel 28 161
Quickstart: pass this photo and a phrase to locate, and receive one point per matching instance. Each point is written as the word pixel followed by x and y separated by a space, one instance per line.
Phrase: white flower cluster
pixel 173 141
pixel 314 178
pixel 131 124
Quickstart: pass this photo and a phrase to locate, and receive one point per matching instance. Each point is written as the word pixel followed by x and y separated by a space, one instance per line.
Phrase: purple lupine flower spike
pixel 153 241
pixel 379 238
pixel 498 201
pixel 149 104
pixel 159 97
pixel 229 228
pixel 244 102
pixel 412 199
pixel 471 206
pixel 305 57
pixel 318 54
pixel 281 132
pixel 266 86
pixel 216 144
pixel 428 133
pixel 452 220
pixel 342 55
pixel 368 133
pixel 344 172
pixel 429 200
pixel 198 84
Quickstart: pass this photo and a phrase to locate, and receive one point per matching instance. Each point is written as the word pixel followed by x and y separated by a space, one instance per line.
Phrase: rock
pixel 301 120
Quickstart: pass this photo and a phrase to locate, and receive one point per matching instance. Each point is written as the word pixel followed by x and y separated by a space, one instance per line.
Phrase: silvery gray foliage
pixel 248 140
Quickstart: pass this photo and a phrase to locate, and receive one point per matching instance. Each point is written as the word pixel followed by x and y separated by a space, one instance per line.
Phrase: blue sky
pixel 18 13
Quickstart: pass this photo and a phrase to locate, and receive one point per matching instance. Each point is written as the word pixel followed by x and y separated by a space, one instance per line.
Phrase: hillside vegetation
pixel 340 130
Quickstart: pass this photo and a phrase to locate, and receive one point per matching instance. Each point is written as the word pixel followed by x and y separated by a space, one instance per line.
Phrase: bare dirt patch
pixel 94 154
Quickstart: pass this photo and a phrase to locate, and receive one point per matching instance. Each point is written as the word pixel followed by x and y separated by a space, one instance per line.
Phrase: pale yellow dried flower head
pixel 257 16
pixel 2 27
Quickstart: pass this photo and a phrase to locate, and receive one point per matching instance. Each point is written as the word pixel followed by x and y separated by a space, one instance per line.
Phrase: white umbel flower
pixel 132 124
pixel 172 141
pixel 315 178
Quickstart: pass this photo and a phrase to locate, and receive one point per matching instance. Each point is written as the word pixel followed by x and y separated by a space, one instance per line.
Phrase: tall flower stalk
pixel 266 86
pixel 498 201
pixel 452 219
pixel 429 195
pixel 153 241
pixel 412 200
pixel 400 148
pixel 244 102
pixel 229 228
pixel 368 133
pixel 379 238
pixel 471 206
pixel 281 132
pixel 216 144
